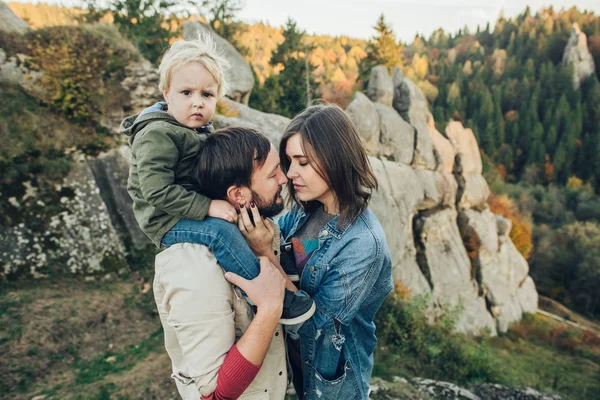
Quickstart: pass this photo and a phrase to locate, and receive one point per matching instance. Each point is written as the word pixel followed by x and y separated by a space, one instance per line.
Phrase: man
pixel 220 348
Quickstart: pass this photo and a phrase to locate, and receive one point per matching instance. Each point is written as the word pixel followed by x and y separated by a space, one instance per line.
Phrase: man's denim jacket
pixel 348 277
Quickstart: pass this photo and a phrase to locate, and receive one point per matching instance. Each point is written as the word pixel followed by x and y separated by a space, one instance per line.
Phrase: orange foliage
pixel 511 115
pixel 521 231
pixel 502 170
pixel 401 290
pixel 339 92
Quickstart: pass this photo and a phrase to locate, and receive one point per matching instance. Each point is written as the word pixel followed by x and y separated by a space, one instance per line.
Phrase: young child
pixel 165 140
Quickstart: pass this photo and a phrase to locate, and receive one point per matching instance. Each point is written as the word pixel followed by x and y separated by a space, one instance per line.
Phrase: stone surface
pixel 10 22
pixel 395 203
pixel 380 88
pixel 13 71
pixel 76 238
pixel 475 194
pixel 239 78
pixel 465 145
pixel 141 84
pixel 271 125
pixel 443 149
pixel 578 55
pixel 364 115
pixel 111 172
pixel 397 137
pixel 492 391
pixel 438 390
pixel 443 257
pixel 411 104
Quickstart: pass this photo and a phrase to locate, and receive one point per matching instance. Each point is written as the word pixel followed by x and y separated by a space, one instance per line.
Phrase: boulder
pixel 141 84
pixel 475 192
pixel 364 115
pixel 239 78
pixel 397 137
pixel 10 22
pixel 271 125
pixel 445 263
pixel 465 146
pixel 443 150
pixel 411 104
pixel 395 202
pixel 381 89
pixel 75 237
pixel 111 171
pixel 578 55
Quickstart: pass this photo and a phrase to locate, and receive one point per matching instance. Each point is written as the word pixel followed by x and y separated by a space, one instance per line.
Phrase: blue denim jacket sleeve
pixel 349 279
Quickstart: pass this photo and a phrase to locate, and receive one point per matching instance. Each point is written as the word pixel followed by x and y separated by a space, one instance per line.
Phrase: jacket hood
pixel 133 124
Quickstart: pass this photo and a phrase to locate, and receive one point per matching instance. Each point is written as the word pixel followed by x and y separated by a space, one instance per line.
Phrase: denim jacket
pixel 348 276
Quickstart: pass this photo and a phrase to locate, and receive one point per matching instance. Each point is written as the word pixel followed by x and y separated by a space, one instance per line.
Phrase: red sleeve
pixel 235 375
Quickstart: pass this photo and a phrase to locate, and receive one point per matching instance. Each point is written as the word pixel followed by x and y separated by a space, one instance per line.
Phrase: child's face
pixel 192 96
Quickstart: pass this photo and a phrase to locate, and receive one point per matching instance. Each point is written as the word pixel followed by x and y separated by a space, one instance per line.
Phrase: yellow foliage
pixel 574 183
pixel 521 231
pixel 420 66
pixel 225 110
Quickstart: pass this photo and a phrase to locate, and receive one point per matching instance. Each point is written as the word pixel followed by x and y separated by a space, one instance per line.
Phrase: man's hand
pixel 266 290
pixel 222 209
pixel 259 234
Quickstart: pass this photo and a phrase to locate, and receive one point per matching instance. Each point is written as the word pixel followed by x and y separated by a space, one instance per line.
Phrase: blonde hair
pixel 203 50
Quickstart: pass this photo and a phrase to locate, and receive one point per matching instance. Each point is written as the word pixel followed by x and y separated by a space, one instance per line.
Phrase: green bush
pixel 420 348
pixel 76 65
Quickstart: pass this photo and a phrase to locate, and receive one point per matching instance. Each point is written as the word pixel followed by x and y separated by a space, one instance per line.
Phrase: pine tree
pixel 295 78
pixel 382 49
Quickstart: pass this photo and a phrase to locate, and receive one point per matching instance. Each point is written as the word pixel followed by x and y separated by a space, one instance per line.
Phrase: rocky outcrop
pixel 74 235
pixel 111 171
pixel 239 77
pixel 271 125
pixel 10 22
pixel 429 389
pixel 364 115
pixel 578 55
pixel 380 88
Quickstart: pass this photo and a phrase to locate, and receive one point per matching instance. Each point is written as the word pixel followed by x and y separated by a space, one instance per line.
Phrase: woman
pixel 340 252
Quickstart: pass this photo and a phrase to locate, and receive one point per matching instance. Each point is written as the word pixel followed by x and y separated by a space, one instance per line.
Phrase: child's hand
pixel 222 209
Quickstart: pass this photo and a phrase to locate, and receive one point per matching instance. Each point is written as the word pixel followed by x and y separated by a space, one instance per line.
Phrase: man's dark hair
pixel 228 157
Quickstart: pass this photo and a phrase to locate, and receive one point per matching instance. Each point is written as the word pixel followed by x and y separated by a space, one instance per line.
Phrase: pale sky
pixel 356 18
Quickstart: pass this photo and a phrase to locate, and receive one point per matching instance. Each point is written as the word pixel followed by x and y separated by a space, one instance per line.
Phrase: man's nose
pixel 282 178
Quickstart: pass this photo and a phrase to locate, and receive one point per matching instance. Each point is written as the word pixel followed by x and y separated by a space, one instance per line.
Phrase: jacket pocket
pixel 343 387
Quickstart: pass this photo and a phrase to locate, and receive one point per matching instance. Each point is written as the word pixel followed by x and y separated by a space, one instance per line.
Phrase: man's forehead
pixel 271 163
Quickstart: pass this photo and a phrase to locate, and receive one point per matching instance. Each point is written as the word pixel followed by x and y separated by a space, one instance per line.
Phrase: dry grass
pixel 60 335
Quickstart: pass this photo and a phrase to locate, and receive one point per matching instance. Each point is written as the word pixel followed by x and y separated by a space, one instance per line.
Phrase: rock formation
pixel 239 77
pixel 578 55
pixel 10 21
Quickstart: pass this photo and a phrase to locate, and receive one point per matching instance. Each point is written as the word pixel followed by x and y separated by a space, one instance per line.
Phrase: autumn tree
pixel 382 49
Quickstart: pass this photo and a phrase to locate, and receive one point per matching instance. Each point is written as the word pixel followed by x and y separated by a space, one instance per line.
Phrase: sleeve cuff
pixel 235 375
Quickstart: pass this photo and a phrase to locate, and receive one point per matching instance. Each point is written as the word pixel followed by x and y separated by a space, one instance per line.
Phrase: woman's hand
pixel 258 233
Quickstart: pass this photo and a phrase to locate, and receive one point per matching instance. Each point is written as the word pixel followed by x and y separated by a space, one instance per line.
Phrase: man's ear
pixel 236 194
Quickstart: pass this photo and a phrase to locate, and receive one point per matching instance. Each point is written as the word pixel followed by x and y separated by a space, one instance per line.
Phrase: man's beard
pixel 268 209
